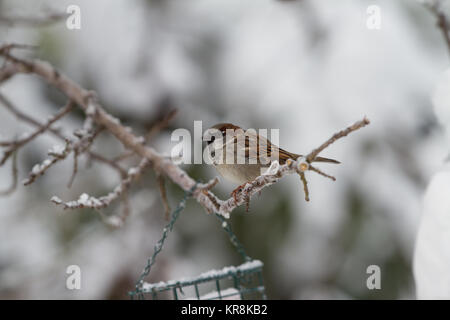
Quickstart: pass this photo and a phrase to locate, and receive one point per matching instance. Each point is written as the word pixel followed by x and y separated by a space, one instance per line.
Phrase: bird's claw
pixel 235 192
pixel 246 197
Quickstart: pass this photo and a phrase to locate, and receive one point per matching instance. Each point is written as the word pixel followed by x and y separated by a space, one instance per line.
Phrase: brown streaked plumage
pixel 244 144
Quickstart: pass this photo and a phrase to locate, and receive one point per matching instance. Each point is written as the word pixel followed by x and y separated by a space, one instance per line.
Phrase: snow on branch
pixel 86 201
pixel 15 144
pixel 276 172
pixel 136 146
pixel 6 103
pixel 56 154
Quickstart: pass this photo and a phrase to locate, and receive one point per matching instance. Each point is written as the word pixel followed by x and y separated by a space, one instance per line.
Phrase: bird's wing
pixel 267 152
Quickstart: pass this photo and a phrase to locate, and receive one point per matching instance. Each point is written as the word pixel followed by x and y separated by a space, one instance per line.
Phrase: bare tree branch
pixel 14 177
pixel 162 191
pixel 24 21
pixel 86 201
pixel 88 102
pixel 56 154
pixel 357 125
pixel 27 119
pixel 435 6
pixel 154 130
pixel 16 144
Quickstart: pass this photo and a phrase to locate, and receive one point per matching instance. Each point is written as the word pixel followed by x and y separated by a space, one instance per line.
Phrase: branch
pixel 276 172
pixel 86 201
pixel 14 175
pixel 87 101
pixel 435 6
pixel 90 106
pixel 162 190
pixel 56 154
pixel 357 125
pixel 32 21
pixel 16 144
pixel 154 130
pixel 25 118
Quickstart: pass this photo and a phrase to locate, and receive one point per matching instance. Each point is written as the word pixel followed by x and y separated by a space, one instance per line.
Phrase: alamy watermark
pixel 224 145
pixel 373 21
pixel 374 280
pixel 73 22
pixel 73 281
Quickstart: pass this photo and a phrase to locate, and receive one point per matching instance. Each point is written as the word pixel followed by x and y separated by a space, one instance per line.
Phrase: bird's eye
pixel 212 140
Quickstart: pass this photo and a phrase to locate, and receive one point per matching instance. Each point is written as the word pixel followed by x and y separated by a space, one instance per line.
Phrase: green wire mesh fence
pixel 241 282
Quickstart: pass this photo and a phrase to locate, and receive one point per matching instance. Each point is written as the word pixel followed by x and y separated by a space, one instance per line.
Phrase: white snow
pixel 56 150
pixel 132 171
pixel 84 199
pixel 90 109
pixel 432 250
pixel 39 168
pixel 273 169
pixel 55 199
pixel 432 253
pixel 227 294
pixel 267 66
pixel 441 100
pixel 224 272
pixel 36 169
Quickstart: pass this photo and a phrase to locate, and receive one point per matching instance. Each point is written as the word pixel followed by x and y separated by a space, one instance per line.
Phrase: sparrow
pixel 242 156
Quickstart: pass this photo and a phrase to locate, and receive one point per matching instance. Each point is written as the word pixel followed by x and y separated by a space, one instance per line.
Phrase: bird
pixel 241 156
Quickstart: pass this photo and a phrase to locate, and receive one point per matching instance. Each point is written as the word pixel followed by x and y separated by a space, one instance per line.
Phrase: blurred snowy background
pixel 306 67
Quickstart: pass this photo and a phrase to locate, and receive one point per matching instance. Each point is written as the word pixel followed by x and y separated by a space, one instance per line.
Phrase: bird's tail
pixel 318 159
pixel 321 159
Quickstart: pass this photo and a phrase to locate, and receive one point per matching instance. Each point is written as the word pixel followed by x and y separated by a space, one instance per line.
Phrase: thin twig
pixel 162 191
pixel 435 6
pixel 74 169
pixel 16 144
pixel 27 119
pixel 24 117
pixel 86 201
pixel 111 163
pixel 154 130
pixel 317 170
pixel 305 185
pixel 160 125
pixel 14 175
pixel 86 101
pixel 32 21
pixel 55 156
pixel 357 125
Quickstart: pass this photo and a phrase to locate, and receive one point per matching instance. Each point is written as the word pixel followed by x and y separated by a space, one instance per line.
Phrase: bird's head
pixel 222 128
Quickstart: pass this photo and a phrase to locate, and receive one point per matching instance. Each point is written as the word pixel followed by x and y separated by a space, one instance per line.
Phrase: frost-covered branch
pixel 87 101
pixel 276 172
pixel 357 125
pixel 163 165
pixel 87 201
pixel 13 145
pixel 56 154
pixel 6 103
